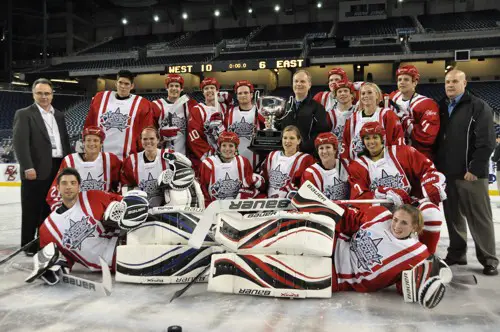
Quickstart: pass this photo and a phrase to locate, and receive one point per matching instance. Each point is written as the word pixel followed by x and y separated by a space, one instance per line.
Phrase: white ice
pixel 30 307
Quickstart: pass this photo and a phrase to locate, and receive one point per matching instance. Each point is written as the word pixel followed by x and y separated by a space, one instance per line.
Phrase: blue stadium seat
pixel 374 27
pixel 479 20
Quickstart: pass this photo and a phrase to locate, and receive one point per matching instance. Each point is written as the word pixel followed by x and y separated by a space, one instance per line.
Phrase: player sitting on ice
pixel 288 254
pixel 87 226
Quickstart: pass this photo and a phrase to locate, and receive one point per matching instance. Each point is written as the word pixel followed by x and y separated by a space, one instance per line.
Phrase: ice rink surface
pixel 37 307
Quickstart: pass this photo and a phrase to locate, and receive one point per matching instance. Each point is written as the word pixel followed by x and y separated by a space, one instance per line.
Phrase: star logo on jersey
pixel 92 184
pixel 77 232
pixel 225 188
pixel 365 249
pixel 390 181
pixel 357 144
pixel 339 189
pixel 339 131
pixel 242 128
pixel 277 179
pixel 114 119
pixel 150 186
pixel 173 120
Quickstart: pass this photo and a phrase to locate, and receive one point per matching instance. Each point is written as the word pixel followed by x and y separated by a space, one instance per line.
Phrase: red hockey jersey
pixel 121 120
pixel 367 257
pixel 421 121
pixel 351 141
pixel 79 233
pixel 96 175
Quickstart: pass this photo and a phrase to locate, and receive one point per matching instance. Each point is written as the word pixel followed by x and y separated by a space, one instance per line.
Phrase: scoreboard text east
pixel 235 65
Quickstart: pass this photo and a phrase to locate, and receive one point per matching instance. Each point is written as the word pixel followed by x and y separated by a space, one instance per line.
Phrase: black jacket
pixel 32 142
pixel 466 139
pixel 310 118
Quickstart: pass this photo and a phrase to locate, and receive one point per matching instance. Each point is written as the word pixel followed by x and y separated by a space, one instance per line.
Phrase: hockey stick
pixel 172 209
pixel 191 283
pixel 466 279
pixel 235 205
pixel 104 288
pixel 363 201
pixel 18 251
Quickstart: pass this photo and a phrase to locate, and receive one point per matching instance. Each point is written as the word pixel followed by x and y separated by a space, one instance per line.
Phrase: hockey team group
pixel 169 191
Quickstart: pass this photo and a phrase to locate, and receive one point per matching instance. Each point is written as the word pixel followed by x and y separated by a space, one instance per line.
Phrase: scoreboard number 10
pixel 206 67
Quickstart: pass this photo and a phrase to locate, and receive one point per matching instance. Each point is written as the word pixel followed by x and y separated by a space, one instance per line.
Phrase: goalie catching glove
pixel 425 283
pixel 130 212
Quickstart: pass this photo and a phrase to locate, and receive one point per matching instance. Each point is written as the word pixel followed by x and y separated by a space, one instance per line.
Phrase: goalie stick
pixel 191 283
pixel 104 288
pixel 466 279
pixel 26 246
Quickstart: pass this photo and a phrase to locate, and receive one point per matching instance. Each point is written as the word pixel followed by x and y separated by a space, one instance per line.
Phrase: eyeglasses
pixel 44 94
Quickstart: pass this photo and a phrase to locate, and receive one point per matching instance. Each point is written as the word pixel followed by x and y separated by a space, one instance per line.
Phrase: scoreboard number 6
pixel 262 65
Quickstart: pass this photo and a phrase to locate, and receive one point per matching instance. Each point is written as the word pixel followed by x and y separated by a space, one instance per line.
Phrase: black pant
pixel 33 205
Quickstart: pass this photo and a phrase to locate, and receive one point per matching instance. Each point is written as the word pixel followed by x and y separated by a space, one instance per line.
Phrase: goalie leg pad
pixel 273 232
pixel 271 275
pixel 172 228
pixel 43 260
pixel 162 264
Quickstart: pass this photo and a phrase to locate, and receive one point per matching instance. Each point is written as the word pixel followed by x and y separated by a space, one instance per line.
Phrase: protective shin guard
pixel 162 264
pixel 271 275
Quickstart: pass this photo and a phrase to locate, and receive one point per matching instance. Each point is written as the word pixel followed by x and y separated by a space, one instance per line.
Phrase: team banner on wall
pixel 9 175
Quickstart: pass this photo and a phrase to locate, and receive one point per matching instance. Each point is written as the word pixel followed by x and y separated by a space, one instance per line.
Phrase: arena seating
pixel 260 55
pixel 479 20
pixel 128 43
pixel 374 27
pixel 173 59
pixel 375 49
pixel 291 31
pixel 213 37
pixel 91 65
pixel 456 44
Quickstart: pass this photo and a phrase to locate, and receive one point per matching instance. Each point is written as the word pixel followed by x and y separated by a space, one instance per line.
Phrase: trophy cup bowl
pixel 270 108
pixel 269 139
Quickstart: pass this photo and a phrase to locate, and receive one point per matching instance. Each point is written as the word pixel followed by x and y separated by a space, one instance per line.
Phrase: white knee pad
pixel 271 275
pixel 276 232
pixel 162 264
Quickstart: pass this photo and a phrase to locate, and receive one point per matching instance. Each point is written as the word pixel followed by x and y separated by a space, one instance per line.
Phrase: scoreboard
pixel 252 64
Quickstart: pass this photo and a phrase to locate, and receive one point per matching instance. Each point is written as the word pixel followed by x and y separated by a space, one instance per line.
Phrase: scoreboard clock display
pixel 217 66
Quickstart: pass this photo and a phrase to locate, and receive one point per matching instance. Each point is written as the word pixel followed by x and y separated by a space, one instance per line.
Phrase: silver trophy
pixel 271 107
pixel 269 139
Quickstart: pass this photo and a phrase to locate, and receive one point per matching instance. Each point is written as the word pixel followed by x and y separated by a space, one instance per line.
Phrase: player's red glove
pixel 434 187
pixel 396 195
pixel 246 193
pixel 169 132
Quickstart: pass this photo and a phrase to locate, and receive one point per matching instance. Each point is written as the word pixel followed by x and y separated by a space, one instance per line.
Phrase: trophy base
pixel 265 141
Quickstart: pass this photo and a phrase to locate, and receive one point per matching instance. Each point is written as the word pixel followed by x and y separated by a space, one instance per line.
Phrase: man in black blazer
pixel 40 142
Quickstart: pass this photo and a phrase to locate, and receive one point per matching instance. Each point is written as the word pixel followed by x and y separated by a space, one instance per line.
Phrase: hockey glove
pixel 396 195
pixel 434 187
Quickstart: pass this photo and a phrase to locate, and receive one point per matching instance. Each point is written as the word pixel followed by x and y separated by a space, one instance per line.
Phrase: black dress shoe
pixel 490 270
pixel 451 261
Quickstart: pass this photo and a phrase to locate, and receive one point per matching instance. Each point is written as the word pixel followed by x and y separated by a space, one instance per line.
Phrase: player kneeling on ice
pixel 288 254
pixel 86 228
pixel 228 175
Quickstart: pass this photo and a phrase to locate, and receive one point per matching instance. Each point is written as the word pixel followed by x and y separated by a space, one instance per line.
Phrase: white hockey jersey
pixel 332 182
pixel 78 232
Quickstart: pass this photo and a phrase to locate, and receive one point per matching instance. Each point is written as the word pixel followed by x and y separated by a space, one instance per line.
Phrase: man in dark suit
pixel 40 142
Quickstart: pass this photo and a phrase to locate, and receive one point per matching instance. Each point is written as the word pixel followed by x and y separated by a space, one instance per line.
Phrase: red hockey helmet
pixel 93 130
pixel 228 136
pixel 174 78
pixel 243 83
pixel 408 70
pixel 338 71
pixel 326 138
pixel 344 84
pixel 372 128
pixel 209 81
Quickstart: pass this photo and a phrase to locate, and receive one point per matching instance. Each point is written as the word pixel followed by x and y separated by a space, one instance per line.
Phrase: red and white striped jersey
pixel 326 99
pixel 122 121
pixel 283 174
pixel 244 124
pixel 423 127
pixel 137 173
pixel 167 114
pixel 351 141
pixel 220 180
pixel 96 175
pixel 367 257
pixel 79 233
pixel 201 142
pixel 331 182
pixel 337 119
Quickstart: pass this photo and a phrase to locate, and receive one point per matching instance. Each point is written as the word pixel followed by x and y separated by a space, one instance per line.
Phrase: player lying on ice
pixel 288 254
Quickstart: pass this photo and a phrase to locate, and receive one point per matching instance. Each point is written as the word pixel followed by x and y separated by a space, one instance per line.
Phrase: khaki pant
pixel 469 200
